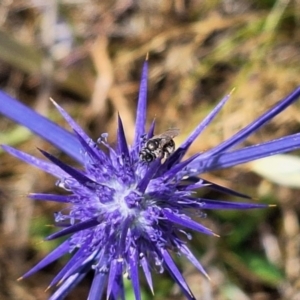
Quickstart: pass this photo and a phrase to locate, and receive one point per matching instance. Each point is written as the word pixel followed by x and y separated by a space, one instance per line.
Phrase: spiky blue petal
pixel 182 149
pixel 255 125
pixel 176 275
pixel 73 228
pixel 67 285
pixel 150 133
pixel 40 125
pixel 141 113
pixel 237 157
pixel 51 257
pixel 112 277
pixel 39 163
pixel 186 222
pixel 52 197
pixel 190 256
pixel 134 274
pixel 147 272
pixel 122 143
pixel 76 264
pixel 98 286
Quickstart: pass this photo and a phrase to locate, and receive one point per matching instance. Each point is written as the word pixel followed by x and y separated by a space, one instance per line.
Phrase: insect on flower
pixel 124 215
pixel 159 146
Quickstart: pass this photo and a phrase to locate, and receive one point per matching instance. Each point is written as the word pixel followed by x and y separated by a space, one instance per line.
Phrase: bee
pixel 159 146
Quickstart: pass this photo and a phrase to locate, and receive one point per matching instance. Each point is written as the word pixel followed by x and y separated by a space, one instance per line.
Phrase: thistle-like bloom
pixel 122 214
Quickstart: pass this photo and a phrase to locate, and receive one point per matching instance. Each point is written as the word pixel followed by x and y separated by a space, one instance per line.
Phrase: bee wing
pixel 171 133
pixel 166 136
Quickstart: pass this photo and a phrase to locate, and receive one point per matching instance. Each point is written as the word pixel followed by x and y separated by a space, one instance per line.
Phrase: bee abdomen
pixel 168 148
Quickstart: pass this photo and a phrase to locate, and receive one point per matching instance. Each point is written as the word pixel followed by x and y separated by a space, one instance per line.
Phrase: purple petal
pixel 124 232
pixel 112 276
pixel 134 275
pixel 95 153
pixel 255 125
pixel 225 190
pixel 189 255
pixel 179 153
pixel 185 222
pixel 188 185
pixel 118 288
pixel 98 286
pixel 51 257
pixel 40 125
pixel 168 175
pixel 76 263
pixel 147 273
pixel 52 197
pixel 217 204
pixel 122 143
pixel 65 288
pixel 151 130
pixel 74 228
pixel 141 107
pixel 79 176
pixel 207 120
pixel 41 164
pixel 229 159
pixel 70 121
pixel 176 275
pixel 142 185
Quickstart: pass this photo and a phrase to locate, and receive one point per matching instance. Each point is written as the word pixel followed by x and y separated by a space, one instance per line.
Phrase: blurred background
pixel 88 55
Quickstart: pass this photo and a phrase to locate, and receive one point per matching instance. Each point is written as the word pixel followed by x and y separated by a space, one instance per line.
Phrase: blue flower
pixel 125 214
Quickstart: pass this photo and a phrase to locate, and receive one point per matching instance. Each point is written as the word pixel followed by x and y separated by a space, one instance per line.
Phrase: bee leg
pixel 168 150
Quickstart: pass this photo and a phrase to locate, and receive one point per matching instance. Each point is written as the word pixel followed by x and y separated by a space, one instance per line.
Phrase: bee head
pixel 146 156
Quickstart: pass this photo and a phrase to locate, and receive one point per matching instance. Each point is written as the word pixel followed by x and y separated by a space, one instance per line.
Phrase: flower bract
pixel 122 214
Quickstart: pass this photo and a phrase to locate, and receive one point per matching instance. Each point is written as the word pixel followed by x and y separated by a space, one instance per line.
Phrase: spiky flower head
pixel 124 214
